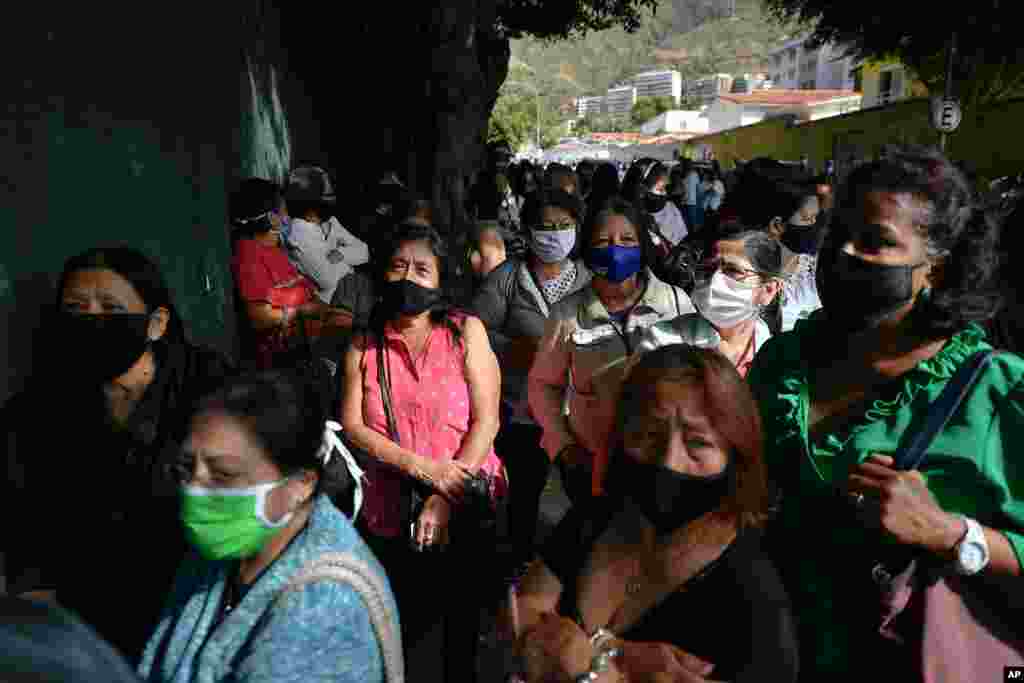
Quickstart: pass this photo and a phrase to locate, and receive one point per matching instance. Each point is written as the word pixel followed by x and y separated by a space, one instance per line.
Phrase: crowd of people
pixel 726 373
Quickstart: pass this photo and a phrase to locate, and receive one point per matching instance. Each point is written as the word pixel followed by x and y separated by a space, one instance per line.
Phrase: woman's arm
pixel 549 379
pixel 376 445
pixel 484 379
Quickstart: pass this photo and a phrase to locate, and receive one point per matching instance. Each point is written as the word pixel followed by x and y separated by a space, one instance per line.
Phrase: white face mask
pixel 724 302
pixel 553 246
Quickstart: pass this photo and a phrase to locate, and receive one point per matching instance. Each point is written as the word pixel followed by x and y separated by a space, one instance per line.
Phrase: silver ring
pixel 859 500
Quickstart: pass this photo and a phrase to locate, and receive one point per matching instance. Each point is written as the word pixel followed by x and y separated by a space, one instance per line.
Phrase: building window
pixel 890 86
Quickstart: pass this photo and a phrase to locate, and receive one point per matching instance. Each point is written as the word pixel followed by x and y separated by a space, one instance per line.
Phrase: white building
pixel 659 84
pixel 795 67
pixel 589 105
pixel 676 121
pixel 705 90
pixel 619 101
pixel 732 111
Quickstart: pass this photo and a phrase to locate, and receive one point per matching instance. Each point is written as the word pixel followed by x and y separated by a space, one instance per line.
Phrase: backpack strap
pixel 372 588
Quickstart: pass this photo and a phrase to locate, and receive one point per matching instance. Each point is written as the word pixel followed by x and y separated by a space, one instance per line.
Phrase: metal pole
pixel 948 85
pixel 538 121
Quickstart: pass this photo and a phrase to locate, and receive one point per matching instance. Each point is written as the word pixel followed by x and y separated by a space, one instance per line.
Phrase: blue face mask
pixel 616 263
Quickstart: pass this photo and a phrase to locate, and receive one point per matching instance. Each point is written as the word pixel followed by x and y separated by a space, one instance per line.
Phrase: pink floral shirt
pixel 432 407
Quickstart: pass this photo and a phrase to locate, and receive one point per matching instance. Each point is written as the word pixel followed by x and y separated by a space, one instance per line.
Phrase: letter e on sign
pixel 946 114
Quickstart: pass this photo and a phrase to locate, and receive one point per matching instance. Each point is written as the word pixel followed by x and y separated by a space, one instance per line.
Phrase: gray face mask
pixel 553 246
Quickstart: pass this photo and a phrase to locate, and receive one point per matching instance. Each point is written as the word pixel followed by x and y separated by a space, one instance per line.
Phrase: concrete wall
pixel 129 128
pixel 987 139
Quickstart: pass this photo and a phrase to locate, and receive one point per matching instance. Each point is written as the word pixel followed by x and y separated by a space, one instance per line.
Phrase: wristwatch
pixel 972 550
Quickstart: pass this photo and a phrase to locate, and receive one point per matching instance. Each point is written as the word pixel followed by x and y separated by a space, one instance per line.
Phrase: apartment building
pixel 707 89
pixel 619 101
pixel 794 67
pixel 659 84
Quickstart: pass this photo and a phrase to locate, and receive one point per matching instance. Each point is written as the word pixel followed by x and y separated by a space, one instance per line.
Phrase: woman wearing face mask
pixel 587 338
pixel 274 293
pixel 119 361
pixel 443 405
pixel 906 273
pixel 254 600
pixel 783 202
pixel 646 185
pixel 514 304
pixel 741 277
pixel 665 576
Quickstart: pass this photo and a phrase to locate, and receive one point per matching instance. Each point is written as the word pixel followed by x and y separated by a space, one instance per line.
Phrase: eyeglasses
pixel 548 227
pixel 706 270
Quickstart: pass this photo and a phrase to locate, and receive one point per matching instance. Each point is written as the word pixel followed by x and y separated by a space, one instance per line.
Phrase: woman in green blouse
pixel 906 273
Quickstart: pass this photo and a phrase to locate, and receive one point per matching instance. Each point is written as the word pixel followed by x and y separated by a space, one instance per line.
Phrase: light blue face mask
pixel 553 246
pixel 286 227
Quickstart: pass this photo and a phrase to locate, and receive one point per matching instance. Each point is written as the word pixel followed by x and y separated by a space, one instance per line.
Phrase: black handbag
pixel 476 513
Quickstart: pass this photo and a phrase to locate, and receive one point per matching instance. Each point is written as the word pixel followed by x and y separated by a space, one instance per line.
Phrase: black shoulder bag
pixel 476 505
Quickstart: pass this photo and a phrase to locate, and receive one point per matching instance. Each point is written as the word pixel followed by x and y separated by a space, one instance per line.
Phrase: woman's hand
pixel 661 663
pixel 447 477
pixel 557 649
pixel 903 505
pixel 432 524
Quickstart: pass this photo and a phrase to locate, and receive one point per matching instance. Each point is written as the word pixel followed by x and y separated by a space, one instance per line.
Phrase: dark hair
pixel 642 176
pixel 731 409
pixel 300 208
pixel 286 411
pixel 554 198
pixel 250 203
pixel 617 206
pixel 605 183
pixel 763 250
pixel 143 275
pixel 441 314
pixel 763 195
pixel 555 173
pixel 42 642
pixel 955 228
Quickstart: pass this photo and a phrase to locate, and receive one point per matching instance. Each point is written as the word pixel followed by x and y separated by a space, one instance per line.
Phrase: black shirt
pixel 97 506
pixel 734 614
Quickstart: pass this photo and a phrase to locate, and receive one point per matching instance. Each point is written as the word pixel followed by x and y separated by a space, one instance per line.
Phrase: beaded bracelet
pixel 601 663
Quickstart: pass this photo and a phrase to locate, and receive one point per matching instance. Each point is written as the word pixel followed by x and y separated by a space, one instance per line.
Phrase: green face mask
pixel 229 524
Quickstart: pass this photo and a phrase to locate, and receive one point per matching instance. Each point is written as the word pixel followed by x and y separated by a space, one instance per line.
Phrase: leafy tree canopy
pixel 559 19
pixel 646 108
pixel 990 55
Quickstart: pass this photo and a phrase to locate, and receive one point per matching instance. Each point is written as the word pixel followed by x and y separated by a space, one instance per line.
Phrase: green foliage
pixel 713 43
pixel 646 108
pixel 561 19
pixel 990 59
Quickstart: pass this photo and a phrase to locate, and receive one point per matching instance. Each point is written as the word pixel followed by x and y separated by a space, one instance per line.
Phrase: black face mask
pixel 670 499
pixel 802 239
pixel 858 295
pixel 106 346
pixel 654 202
pixel 405 297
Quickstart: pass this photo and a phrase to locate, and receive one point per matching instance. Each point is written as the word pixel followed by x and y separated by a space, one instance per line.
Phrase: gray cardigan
pixel 319 632
pixel 511 305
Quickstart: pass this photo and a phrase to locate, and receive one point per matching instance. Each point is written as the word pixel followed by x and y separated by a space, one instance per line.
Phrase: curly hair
pixel 956 229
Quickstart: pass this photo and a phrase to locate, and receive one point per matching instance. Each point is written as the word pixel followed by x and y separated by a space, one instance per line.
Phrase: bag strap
pixel 942 409
pixel 372 588
pixel 384 380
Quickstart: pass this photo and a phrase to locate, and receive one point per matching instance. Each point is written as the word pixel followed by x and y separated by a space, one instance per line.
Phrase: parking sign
pixel 946 114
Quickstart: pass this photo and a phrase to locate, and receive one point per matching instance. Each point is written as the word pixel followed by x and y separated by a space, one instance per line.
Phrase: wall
pixel 129 128
pixel 987 139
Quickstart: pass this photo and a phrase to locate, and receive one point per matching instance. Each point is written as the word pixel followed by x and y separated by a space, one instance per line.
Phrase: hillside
pixel 696 37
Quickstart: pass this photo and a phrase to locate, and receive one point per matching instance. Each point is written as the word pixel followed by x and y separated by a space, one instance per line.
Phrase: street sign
pixel 946 114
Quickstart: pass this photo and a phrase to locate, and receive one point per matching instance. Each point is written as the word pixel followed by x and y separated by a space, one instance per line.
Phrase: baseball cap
pixel 310 184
